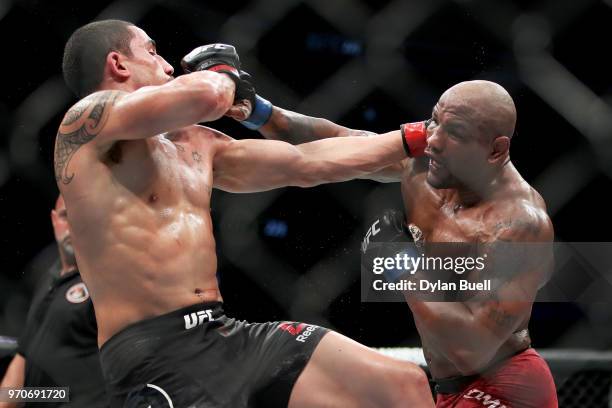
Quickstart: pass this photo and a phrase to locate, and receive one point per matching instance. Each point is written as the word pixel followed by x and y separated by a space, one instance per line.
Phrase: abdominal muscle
pixel 143 235
pixel 141 266
pixel 144 265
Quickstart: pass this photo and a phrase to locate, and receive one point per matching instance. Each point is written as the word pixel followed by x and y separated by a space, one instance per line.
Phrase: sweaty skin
pixel 137 176
pixel 440 219
pixel 149 203
pixel 466 190
pixel 474 204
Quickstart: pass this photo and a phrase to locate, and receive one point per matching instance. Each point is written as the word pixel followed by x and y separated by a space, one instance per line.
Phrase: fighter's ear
pixel 500 149
pixel 116 66
pixel 55 221
pixel 54 217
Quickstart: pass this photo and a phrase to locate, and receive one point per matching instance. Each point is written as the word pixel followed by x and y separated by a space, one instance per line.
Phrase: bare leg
pixel 343 373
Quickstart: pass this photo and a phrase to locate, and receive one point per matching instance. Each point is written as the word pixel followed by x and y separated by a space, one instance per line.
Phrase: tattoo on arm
pixel 498 315
pixel 197 157
pixel 74 114
pixel 501 318
pixel 82 123
pixel 296 128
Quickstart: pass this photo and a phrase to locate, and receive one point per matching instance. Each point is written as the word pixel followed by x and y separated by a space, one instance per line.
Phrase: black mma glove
pixel 221 58
pixel 390 227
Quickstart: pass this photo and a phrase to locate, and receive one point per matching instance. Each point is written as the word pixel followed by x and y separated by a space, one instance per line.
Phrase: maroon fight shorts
pixel 522 381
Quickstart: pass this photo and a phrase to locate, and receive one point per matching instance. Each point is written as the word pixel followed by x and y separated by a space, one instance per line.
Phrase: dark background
pixel 293 253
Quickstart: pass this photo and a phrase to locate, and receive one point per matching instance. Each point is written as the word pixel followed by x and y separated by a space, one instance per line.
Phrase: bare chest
pixel 163 169
pixel 431 217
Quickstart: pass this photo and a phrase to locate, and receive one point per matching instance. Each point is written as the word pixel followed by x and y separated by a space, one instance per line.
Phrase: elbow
pixel 468 361
pixel 311 174
pixel 305 180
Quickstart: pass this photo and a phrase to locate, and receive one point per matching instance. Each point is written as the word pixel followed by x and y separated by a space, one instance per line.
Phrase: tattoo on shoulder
pixel 517 227
pixel 74 114
pixel 82 123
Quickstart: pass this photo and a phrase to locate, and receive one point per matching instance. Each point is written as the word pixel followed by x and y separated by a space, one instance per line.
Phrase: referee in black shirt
pixel 58 346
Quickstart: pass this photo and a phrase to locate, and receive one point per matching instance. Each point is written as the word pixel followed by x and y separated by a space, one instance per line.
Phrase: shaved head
pixel 469 137
pixel 86 50
pixel 485 103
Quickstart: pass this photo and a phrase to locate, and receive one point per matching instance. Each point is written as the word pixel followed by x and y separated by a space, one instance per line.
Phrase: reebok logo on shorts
pixel 486 399
pixel 197 318
pixel 301 330
pixel 292 328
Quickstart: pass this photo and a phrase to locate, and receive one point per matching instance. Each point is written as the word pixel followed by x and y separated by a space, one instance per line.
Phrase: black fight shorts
pixel 197 357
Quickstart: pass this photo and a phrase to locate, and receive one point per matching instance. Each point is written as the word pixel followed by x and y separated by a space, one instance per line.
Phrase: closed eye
pixel 454 132
pixel 431 121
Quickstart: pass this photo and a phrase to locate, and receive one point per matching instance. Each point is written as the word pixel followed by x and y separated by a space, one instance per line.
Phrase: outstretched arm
pixel 257 165
pixel 296 128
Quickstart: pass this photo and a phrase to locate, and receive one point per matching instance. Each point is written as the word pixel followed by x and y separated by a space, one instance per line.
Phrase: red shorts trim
pixel 523 381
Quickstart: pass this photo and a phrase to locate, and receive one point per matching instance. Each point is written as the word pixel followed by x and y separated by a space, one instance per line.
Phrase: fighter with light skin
pixel 137 175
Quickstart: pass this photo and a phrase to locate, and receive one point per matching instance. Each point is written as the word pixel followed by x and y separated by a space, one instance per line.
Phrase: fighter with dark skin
pixel 466 189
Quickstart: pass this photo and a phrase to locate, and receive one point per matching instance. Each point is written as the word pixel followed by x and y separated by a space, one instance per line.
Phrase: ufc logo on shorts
pixel 373 230
pixel 486 399
pixel 197 318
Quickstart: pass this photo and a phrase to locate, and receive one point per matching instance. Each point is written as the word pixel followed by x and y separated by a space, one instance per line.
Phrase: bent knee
pixel 411 387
